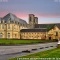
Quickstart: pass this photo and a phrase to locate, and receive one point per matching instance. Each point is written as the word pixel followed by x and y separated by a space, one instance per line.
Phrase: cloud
pixel 49 15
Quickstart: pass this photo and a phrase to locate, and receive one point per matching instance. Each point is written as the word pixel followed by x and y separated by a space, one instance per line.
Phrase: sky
pixel 47 11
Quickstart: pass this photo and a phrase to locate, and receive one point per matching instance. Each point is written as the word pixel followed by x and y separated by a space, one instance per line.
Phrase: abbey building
pixel 12 27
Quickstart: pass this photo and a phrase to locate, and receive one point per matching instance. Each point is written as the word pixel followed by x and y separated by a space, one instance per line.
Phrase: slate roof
pixel 12 17
pixel 58 25
pixel 47 26
pixel 33 30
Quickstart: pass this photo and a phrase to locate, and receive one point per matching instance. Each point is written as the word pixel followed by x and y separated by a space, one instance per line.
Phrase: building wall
pixel 54 33
pixel 33 35
pixel 9 30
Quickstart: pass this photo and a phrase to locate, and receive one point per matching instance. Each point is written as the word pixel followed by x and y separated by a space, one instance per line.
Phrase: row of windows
pixel 32 33
pixel 32 36
pixel 1 35
pixel 8 35
pixel 3 26
pixel 2 21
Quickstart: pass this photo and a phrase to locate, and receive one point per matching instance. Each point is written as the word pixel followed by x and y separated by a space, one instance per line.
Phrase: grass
pixel 18 42
pixel 54 53
pixel 13 42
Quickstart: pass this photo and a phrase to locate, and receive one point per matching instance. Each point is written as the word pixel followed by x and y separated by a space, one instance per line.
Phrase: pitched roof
pixel 12 17
pixel 33 30
pixel 47 26
pixel 58 25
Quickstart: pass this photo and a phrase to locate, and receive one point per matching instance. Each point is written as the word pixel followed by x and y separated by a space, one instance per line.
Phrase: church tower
pixel 36 20
pixel 32 20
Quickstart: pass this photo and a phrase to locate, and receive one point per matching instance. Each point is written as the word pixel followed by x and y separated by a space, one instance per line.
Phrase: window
pixel 15 35
pixel 1 21
pixel 56 33
pixel 2 26
pixel 34 20
pixel 5 21
pixel 9 21
pixel 8 35
pixel 30 18
pixel 1 35
pixel 8 26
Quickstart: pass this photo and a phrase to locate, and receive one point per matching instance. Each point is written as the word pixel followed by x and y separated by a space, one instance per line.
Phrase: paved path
pixel 7 52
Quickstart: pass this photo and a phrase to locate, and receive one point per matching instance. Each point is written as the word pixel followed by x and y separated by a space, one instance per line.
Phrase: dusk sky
pixel 47 11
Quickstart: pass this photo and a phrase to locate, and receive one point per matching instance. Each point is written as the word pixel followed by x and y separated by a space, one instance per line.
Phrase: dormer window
pixel 9 21
pixel 18 22
pixel 5 21
pixel 1 21
pixel 15 22
pixel 12 21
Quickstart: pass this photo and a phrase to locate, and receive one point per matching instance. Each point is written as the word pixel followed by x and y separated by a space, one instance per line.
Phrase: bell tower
pixel 32 20
pixel 36 20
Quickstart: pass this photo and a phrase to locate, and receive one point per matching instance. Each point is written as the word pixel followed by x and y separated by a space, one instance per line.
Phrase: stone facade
pixel 12 27
pixel 33 34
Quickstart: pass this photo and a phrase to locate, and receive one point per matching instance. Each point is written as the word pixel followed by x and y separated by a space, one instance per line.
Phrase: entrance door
pixel 49 38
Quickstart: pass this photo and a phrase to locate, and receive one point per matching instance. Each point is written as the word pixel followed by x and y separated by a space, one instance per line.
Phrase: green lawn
pixel 18 42
pixel 54 53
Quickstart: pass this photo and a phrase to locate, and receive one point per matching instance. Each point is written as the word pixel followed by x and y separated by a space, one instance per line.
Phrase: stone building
pixel 53 30
pixel 33 33
pixel 12 27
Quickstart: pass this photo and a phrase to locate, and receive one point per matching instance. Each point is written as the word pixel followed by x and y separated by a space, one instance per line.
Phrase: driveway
pixel 7 52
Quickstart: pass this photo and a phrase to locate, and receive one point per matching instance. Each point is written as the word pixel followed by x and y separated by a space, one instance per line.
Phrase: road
pixel 7 52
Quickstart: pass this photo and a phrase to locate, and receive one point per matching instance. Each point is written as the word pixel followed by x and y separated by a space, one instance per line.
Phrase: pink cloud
pixel 49 15
pixel 2 14
pixel 21 15
pixel 24 15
